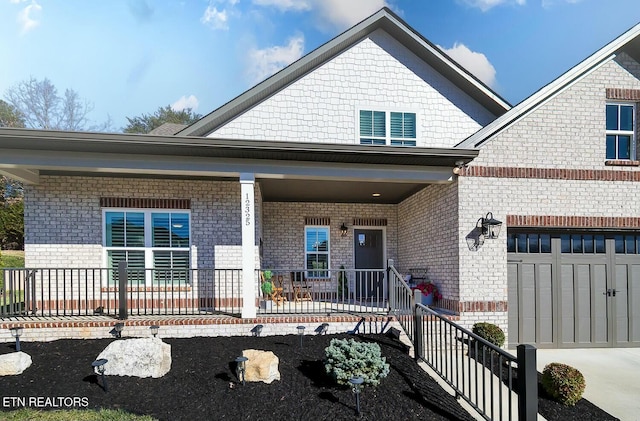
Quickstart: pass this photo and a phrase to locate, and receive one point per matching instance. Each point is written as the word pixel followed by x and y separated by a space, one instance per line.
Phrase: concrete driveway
pixel 612 376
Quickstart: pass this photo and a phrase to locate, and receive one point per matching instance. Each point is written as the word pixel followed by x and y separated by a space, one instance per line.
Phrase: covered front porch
pixel 332 213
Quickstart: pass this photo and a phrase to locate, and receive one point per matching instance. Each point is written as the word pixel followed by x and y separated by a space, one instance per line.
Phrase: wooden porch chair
pixel 301 289
pixel 278 290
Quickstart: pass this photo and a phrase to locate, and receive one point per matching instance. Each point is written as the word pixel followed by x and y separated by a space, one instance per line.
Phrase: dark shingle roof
pixel 168 129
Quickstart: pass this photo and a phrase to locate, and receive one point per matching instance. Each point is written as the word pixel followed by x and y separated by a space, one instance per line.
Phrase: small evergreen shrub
pixel 563 382
pixel 347 358
pixel 267 288
pixel 489 332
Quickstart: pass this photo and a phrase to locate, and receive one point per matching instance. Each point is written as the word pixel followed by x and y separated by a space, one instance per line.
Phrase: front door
pixel 369 263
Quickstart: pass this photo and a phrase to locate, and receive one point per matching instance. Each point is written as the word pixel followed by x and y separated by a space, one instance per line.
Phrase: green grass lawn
pixel 10 259
pixel 72 415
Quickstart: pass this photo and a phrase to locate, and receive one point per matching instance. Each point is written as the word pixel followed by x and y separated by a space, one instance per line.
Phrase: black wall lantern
pixel 490 226
pixel 343 230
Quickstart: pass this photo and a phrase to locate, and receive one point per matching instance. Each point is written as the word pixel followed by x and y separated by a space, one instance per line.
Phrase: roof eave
pixel 118 143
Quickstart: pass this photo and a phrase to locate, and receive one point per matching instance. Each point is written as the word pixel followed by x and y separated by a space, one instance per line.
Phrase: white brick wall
pixel 284 231
pixel 428 224
pixel 379 73
pixel 63 218
pixel 63 221
pixel 568 131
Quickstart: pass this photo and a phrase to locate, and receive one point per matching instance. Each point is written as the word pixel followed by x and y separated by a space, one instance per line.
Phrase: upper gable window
pixel 373 127
pixel 401 128
pixel 620 132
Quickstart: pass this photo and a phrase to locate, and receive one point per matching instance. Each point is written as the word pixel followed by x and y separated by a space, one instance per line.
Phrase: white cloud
pixel 263 63
pixel 485 5
pixel 285 5
pixel 26 17
pixel 549 3
pixel 186 102
pixel 344 14
pixel 217 19
pixel 476 63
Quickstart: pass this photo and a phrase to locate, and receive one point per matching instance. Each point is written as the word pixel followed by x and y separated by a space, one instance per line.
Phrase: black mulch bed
pixel 202 384
pixel 583 409
pixel 202 371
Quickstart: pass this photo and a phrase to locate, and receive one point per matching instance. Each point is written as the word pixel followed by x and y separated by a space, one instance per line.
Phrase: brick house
pixel 374 147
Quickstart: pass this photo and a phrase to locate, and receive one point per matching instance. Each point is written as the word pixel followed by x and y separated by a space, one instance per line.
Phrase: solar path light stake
pixel 300 333
pixel 356 385
pixel 257 330
pixel 323 328
pixel 16 332
pixel 118 327
pixel 100 365
pixel 240 369
pixel 154 330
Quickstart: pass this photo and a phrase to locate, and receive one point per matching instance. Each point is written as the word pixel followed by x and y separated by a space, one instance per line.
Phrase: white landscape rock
pixel 14 363
pixel 261 366
pixel 143 357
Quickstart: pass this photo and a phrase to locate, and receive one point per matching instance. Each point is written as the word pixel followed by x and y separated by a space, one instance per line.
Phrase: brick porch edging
pixel 563 221
pixel 460 307
pixel 184 327
pixel 76 321
pixel 552 173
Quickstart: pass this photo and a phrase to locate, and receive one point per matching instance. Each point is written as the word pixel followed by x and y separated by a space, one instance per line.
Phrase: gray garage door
pixel 574 290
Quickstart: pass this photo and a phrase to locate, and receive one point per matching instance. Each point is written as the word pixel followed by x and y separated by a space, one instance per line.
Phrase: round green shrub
pixel 563 382
pixel 347 358
pixel 489 332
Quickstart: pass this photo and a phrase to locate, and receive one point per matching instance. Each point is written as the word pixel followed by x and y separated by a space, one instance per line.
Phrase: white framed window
pixel 157 239
pixel 316 252
pixel 396 128
pixel 621 139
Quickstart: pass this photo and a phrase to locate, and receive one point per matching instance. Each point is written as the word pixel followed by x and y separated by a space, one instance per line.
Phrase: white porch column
pixel 247 184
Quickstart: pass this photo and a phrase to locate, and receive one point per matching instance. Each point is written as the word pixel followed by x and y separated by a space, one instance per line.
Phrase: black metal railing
pixel 17 292
pixel 324 291
pixel 81 292
pixel 125 291
pixel 498 385
pixel 401 301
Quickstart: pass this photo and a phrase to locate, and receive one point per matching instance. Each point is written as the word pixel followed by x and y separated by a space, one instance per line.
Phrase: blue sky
pixel 129 57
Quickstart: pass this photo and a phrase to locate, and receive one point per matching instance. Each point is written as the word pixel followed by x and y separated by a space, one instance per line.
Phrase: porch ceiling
pixel 336 191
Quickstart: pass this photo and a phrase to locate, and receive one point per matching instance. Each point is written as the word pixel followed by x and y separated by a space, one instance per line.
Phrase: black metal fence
pixel 127 291
pixel 324 291
pixel 83 292
pixel 498 385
